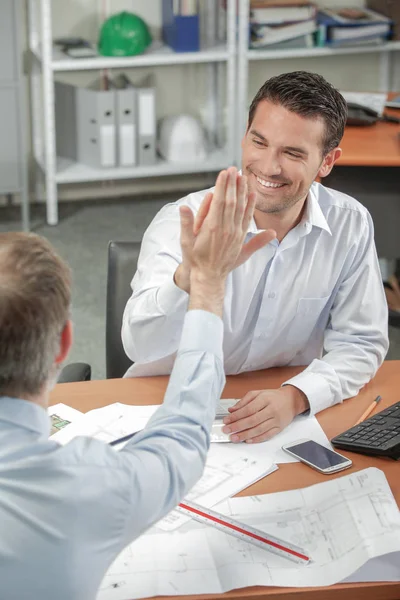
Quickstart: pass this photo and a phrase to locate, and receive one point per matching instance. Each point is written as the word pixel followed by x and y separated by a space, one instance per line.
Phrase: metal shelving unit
pixel 13 152
pixel 235 55
pixel 246 56
pixel 52 171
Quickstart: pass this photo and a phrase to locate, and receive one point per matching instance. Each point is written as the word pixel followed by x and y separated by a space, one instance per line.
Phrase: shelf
pixel 157 54
pixel 70 172
pixel 263 54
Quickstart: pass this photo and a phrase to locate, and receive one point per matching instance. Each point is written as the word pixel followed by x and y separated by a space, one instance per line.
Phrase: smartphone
pixel 317 456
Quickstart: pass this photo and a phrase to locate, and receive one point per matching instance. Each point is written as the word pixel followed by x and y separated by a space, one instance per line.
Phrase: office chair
pixel 122 264
pixel 75 372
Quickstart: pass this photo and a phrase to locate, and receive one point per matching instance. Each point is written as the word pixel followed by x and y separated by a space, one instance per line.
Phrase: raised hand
pixel 227 212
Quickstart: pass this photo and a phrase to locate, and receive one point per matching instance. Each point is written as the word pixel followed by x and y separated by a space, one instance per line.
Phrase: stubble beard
pixel 273 206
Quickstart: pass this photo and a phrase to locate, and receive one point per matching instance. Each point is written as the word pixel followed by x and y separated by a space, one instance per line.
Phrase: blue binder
pixel 180 32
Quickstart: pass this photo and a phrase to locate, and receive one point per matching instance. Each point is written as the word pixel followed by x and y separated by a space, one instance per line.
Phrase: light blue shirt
pixel 66 512
pixel 316 299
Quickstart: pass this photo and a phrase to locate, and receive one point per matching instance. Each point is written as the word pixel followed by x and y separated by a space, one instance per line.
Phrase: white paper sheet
pixel 108 423
pixel 229 469
pixel 117 420
pixel 302 427
pixel 62 416
pixel 341 523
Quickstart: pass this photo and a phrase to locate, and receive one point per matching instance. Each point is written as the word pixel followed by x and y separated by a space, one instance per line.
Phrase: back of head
pixel 35 296
pixel 308 95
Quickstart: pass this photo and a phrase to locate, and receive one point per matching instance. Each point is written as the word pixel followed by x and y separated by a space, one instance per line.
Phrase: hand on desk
pixel 261 414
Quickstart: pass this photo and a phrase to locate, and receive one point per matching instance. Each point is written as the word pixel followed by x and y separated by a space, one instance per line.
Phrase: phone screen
pixel 317 455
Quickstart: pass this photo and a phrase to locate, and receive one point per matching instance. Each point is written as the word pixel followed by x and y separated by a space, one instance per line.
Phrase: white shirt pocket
pixel 310 315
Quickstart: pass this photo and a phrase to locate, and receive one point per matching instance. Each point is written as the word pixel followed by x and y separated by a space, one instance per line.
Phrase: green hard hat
pixel 124 34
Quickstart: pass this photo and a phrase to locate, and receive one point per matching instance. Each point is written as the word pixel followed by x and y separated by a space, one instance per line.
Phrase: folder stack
pixel 349 26
pixel 282 24
pixel 136 121
pixel 105 128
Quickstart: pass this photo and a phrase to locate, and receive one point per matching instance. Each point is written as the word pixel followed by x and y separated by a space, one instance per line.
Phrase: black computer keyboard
pixel 379 435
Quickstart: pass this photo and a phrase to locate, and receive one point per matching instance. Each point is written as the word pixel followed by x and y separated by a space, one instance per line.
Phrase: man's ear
pixel 65 343
pixel 328 162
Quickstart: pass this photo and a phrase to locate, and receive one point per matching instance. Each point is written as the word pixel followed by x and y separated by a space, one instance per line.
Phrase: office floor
pixel 81 237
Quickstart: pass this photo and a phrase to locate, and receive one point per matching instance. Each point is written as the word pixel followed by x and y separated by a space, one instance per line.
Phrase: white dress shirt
pixel 314 299
pixel 67 511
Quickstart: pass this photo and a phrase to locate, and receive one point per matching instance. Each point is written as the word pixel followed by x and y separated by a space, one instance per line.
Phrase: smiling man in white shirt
pixel 313 296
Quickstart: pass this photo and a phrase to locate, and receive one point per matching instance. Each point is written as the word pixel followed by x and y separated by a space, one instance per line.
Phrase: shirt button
pixel 271 295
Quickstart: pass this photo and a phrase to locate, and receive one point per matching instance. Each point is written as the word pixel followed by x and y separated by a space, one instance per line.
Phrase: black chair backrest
pixel 122 264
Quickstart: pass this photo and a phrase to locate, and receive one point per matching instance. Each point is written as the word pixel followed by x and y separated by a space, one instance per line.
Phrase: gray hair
pixel 35 297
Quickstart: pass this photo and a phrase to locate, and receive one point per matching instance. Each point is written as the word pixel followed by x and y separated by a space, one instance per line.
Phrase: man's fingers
pixel 216 212
pixel 256 243
pixel 241 200
pixel 262 430
pixel 231 198
pixel 202 212
pixel 249 211
pixel 245 400
pixel 187 221
pixel 264 436
pixel 250 408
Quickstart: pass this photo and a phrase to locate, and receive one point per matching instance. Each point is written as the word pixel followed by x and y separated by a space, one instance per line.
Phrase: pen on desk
pixel 369 410
pixel 121 440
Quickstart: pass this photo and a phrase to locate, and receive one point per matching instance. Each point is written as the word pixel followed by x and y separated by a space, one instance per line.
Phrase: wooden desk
pixel 94 394
pixel 373 146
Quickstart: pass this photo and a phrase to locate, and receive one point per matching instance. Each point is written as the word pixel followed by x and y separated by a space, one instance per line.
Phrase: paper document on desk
pixel 341 524
pixel 230 468
pixel 301 428
pixel 62 415
pixel 108 423
pixel 117 420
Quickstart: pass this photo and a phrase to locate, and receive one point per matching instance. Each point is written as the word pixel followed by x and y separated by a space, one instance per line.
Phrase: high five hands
pixel 227 212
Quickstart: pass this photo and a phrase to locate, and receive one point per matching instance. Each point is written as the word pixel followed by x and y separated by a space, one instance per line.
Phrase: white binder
pixel 126 121
pixel 96 129
pixel 146 119
pixel 85 124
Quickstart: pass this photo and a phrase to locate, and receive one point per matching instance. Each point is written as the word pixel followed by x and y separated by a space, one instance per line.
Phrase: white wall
pixel 183 88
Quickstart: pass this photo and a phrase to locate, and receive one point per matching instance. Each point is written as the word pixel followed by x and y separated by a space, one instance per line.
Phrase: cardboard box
pixel 391 9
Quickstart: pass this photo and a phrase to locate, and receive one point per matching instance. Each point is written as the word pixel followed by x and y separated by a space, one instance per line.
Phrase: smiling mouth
pixel 269 184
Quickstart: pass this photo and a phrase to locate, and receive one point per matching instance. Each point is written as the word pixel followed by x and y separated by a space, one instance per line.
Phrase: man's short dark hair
pixel 308 95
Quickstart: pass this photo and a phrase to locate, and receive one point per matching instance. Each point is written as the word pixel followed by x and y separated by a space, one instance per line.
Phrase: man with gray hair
pixel 66 512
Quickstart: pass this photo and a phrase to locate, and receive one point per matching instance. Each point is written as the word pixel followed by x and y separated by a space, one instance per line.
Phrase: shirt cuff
pixel 170 299
pixel 315 387
pixel 202 331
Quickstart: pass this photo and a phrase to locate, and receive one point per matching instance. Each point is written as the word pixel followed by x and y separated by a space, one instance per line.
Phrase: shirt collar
pixel 312 217
pixel 24 414
pixel 313 213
